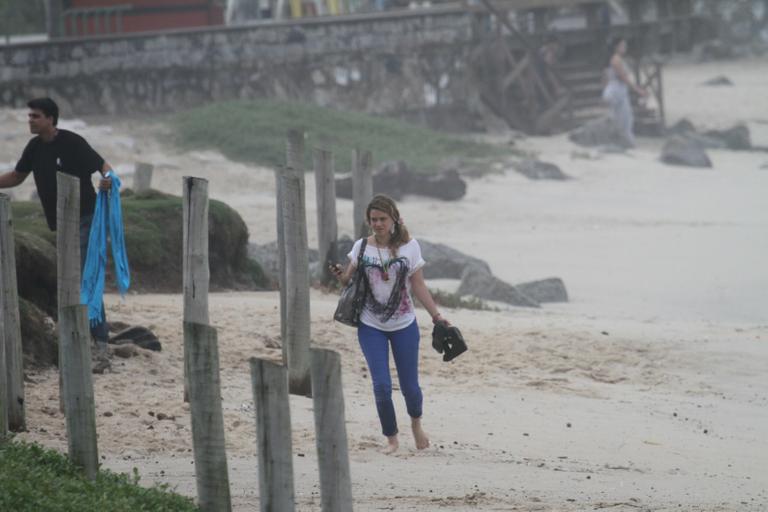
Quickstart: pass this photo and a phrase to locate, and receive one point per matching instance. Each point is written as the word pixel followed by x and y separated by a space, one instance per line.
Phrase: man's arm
pixel 12 178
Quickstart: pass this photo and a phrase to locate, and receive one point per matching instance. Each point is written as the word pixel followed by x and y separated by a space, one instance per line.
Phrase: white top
pixel 409 255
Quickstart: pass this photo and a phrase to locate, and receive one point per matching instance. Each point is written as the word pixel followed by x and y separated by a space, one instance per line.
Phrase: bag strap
pixel 361 253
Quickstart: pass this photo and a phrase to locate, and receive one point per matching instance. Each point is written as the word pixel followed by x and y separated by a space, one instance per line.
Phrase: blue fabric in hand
pixel 107 220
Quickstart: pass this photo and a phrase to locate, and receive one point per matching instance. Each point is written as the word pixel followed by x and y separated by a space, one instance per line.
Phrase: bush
pixel 33 479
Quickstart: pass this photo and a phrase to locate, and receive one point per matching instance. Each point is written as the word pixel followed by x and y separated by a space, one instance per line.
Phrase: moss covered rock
pixel 153 235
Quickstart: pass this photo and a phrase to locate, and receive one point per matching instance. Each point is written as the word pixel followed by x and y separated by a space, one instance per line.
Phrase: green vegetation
pixel 22 17
pixel 255 131
pixel 153 236
pixel 453 300
pixel 33 479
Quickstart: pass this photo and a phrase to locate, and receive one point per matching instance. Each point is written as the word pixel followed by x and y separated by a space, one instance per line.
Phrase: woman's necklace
pixel 384 266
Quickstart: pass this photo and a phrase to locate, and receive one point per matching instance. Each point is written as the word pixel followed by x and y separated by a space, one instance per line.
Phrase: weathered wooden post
pixel 202 370
pixel 281 257
pixel 3 386
pixel 327 229
pixel 11 326
pixel 142 176
pixel 195 233
pixel 273 431
pixel 196 274
pixel 75 341
pixel 294 158
pixel 362 190
pixel 67 253
pixel 296 342
pixel 68 239
pixel 331 431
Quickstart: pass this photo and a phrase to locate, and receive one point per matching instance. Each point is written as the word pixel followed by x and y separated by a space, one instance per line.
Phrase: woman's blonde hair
pixel 386 204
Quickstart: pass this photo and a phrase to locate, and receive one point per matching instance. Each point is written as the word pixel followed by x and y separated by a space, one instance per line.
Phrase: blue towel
pixel 108 216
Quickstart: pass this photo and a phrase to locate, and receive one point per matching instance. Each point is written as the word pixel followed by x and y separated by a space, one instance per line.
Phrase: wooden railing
pixel 528 93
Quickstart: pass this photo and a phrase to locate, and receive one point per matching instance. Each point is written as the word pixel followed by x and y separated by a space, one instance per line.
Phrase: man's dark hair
pixel 47 106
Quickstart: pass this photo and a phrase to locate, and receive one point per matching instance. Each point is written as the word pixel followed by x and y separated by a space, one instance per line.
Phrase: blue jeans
pixel 100 331
pixel 405 349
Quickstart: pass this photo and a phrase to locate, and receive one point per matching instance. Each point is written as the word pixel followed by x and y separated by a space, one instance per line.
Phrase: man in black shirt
pixel 53 150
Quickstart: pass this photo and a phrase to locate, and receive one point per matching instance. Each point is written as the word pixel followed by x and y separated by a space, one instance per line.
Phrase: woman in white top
pixel 392 265
pixel 616 92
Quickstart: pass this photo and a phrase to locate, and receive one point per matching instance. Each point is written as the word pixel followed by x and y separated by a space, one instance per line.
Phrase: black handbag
pixel 353 295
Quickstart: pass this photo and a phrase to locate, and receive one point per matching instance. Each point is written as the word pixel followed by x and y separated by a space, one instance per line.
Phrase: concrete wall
pixel 403 64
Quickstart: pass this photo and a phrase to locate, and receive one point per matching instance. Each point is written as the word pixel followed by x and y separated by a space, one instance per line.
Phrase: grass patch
pixel 33 479
pixel 455 301
pixel 254 131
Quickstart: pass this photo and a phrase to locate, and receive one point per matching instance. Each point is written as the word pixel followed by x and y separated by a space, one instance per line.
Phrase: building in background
pixel 78 18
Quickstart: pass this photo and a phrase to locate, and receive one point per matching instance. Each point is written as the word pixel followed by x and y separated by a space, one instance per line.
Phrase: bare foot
pixel 419 436
pixel 392 445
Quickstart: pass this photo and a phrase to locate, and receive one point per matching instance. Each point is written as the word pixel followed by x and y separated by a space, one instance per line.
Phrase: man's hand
pixel 105 184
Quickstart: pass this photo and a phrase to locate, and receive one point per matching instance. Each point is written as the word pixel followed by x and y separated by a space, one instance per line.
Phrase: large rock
pixel 538 170
pixel 36 271
pixel 139 336
pixel 478 282
pixel 718 81
pixel 598 132
pixel 269 259
pixel 153 238
pixel 680 150
pixel 444 262
pixel 38 336
pixel 736 137
pixel 396 180
pixel 545 290
pixel 683 127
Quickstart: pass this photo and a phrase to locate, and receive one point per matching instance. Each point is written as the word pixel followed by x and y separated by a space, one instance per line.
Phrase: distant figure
pixel 392 266
pixel 52 150
pixel 616 91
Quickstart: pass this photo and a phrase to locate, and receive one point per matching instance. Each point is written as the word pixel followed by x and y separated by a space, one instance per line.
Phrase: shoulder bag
pixel 353 295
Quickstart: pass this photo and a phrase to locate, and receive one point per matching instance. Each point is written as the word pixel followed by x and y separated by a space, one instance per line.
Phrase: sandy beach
pixel 647 391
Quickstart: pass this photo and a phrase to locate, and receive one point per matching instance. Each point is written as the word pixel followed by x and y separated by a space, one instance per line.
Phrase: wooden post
pixel 11 326
pixel 202 369
pixel 142 177
pixel 331 432
pixel 195 232
pixel 294 158
pixel 281 258
pixel 68 239
pixel 75 340
pixel 3 386
pixel 327 230
pixel 362 190
pixel 296 342
pixel 196 274
pixel 67 252
pixel 273 431
pixel 660 96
